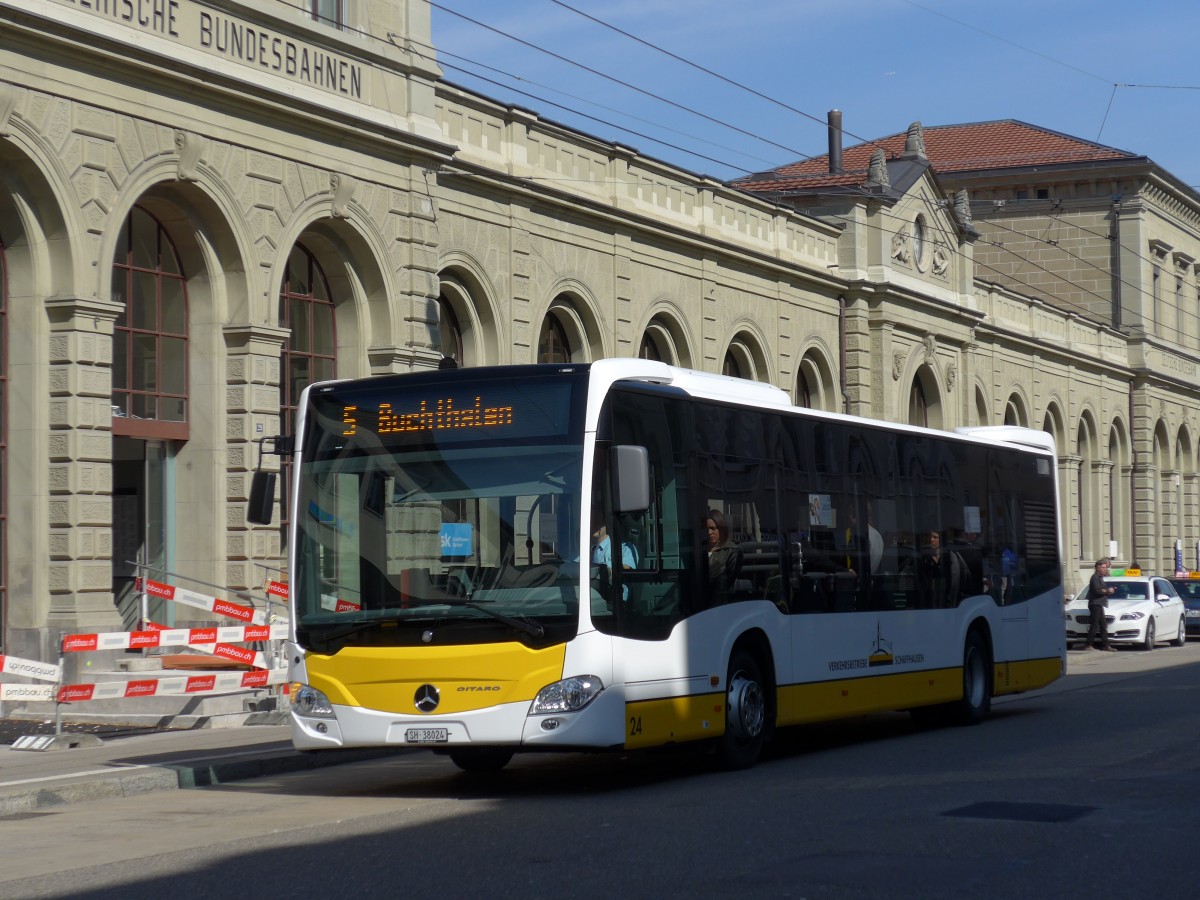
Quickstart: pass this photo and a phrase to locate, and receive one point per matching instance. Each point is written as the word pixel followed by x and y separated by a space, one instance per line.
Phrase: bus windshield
pixel 419 522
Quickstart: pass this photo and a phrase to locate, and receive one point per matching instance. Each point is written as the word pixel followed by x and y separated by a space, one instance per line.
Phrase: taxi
pixel 1143 611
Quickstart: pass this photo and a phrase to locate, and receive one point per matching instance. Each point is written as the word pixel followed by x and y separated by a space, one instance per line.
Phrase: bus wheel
pixel 480 759
pixel 976 700
pixel 745 713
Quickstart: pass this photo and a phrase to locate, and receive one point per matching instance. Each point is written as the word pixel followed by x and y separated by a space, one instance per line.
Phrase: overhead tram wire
pixel 1021 284
pixel 584 115
pixel 1034 292
pixel 687 62
pixel 441 54
pixel 625 84
pixel 1138 289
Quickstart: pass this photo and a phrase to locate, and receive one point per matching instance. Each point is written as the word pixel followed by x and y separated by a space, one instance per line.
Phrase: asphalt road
pixel 1083 790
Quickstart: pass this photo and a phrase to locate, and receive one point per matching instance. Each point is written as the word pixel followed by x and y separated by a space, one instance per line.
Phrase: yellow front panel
pixel 468 677
pixel 651 723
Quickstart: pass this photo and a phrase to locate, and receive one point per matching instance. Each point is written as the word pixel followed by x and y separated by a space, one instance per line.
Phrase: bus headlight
pixel 310 703
pixel 568 695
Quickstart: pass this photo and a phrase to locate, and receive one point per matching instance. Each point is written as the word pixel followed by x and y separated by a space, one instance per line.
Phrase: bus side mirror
pixel 631 478
pixel 262 498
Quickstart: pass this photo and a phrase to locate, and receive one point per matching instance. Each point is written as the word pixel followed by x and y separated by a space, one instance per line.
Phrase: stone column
pixel 252 412
pixel 1069 491
pixel 80 464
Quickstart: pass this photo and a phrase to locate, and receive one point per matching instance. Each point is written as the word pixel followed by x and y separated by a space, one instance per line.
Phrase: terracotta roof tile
pixel 950 148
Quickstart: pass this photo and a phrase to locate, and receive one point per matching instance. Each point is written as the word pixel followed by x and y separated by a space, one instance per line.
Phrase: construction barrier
pixel 29 668
pixel 213 641
pixel 215 605
pixel 212 683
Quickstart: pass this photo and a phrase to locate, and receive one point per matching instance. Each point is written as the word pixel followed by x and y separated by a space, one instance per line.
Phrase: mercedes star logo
pixel 426 698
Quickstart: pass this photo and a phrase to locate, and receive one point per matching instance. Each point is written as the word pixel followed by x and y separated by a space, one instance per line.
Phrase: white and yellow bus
pixel 493 560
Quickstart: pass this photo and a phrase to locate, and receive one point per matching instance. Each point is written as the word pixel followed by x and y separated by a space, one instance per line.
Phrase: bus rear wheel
pixel 745 713
pixel 976 700
pixel 480 759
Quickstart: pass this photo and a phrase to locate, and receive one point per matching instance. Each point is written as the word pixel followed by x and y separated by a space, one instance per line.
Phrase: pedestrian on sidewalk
pixel 1097 598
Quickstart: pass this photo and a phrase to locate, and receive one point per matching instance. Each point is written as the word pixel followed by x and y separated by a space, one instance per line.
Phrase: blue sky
pixel 884 63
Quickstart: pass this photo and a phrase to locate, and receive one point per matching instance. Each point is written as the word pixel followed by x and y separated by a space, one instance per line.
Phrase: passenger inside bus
pixel 822 580
pixel 602 551
pixel 940 574
pixel 724 557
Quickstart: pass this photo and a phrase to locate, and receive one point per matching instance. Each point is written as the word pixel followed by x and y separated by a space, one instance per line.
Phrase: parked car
pixel 1189 590
pixel 1144 610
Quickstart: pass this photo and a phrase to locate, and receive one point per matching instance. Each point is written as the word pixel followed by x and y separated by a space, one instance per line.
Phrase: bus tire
pixel 480 760
pixel 745 713
pixel 976 700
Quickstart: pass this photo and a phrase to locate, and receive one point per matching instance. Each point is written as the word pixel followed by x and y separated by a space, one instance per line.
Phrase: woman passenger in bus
pixel 724 557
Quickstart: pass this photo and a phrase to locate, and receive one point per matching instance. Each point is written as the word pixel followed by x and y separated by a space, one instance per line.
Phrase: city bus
pixel 625 555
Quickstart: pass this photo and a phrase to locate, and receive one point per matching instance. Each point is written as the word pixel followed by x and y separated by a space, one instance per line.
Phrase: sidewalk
pixel 158 761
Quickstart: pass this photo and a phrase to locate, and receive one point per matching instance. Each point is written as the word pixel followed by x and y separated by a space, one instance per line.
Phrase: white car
pixel 1144 610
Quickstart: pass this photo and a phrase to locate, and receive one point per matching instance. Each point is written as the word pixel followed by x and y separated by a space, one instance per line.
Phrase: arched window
pixel 449 333
pixel 553 346
pixel 919 241
pixel 918 405
pixel 649 349
pixel 804 393
pixel 150 341
pixel 306 310
pixel 731 366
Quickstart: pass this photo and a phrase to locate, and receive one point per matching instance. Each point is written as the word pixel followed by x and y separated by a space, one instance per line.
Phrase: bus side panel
pixel 675 688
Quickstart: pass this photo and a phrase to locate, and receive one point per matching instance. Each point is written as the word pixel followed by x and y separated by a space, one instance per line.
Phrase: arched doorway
pixel 310 353
pixel 149 406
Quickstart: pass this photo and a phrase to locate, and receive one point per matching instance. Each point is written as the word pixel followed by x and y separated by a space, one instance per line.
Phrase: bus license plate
pixel 427 735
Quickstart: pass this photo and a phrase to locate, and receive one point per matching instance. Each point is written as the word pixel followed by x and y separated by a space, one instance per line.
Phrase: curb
pixel 180 776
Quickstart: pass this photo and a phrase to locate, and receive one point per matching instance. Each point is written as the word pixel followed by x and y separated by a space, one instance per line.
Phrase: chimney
pixel 835 142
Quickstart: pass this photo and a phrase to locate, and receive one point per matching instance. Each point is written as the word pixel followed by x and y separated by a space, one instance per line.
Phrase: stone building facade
pixel 206 205
pixel 1109 240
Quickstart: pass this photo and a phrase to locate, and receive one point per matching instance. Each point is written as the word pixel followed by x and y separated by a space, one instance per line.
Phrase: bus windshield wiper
pixel 530 628
pixel 331 638
pixel 523 625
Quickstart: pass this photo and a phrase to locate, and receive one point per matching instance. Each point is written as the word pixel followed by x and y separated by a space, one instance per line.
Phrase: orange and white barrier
pixel 160 636
pixel 211 683
pixel 215 605
pixel 214 641
pixel 278 590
